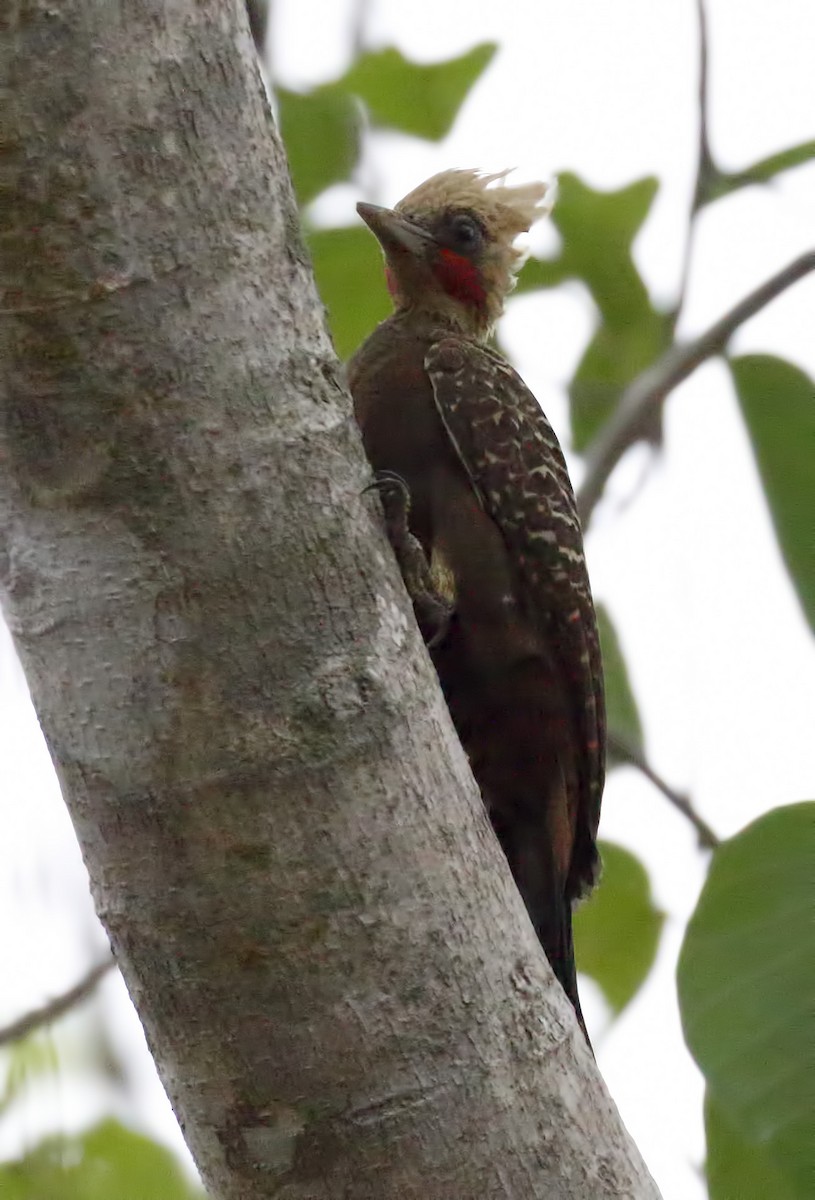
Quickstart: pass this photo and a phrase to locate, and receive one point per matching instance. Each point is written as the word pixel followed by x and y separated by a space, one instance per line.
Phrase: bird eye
pixel 466 231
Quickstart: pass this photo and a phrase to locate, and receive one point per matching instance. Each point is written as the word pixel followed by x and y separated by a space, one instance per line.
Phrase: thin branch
pixel 359 21
pixel 706 166
pixel 706 169
pixel 624 750
pixel 646 395
pixel 55 1008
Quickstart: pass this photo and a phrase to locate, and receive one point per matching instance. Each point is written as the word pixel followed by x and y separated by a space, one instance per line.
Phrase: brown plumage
pixel 504 600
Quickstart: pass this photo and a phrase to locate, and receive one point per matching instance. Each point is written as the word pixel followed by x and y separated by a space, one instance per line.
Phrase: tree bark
pixel 337 978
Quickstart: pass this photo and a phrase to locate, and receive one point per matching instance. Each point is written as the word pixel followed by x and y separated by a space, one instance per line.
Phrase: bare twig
pixel 54 1009
pixel 359 21
pixel 644 397
pixel 706 169
pixel 628 753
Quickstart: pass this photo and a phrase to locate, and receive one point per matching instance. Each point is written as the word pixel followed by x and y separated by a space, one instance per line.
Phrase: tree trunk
pixel 337 978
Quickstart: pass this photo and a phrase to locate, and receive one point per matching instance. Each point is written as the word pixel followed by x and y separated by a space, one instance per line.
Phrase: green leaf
pixel 778 404
pixel 321 130
pixel 540 273
pixel 350 276
pixel 614 357
pixel 723 183
pixel 746 981
pixel 737 1169
pixel 419 99
pixel 108 1162
pixel 597 231
pixel 621 707
pixel 616 931
pixel 26 1061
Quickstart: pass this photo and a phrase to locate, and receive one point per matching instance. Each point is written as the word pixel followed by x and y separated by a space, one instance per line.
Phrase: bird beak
pixel 394 232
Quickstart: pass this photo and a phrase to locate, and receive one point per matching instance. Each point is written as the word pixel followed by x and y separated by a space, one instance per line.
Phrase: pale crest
pixel 505 211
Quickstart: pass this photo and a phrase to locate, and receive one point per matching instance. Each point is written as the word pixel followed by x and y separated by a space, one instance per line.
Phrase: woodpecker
pixel 481 513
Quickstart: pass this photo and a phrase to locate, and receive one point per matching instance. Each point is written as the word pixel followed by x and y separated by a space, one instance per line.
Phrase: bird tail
pixel 549 908
pixel 560 953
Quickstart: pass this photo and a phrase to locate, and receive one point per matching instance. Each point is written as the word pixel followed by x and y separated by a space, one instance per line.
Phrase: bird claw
pixel 385 480
pixel 434 623
pixel 394 496
pixel 432 611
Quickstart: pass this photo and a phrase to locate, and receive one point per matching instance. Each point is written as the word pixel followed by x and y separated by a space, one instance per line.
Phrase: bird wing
pixel 513 458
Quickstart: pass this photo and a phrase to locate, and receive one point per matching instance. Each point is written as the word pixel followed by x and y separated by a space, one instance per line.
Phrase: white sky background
pixel 720 657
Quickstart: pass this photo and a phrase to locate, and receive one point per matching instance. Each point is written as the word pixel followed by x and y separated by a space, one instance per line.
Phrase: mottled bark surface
pixel 338 981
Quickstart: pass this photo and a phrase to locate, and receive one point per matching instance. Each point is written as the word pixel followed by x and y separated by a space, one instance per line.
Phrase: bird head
pixel 449 246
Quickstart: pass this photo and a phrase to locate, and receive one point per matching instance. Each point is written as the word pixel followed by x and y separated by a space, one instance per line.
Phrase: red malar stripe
pixel 460 278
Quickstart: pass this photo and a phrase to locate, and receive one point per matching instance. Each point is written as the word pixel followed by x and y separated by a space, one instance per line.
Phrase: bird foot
pixel 432 611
